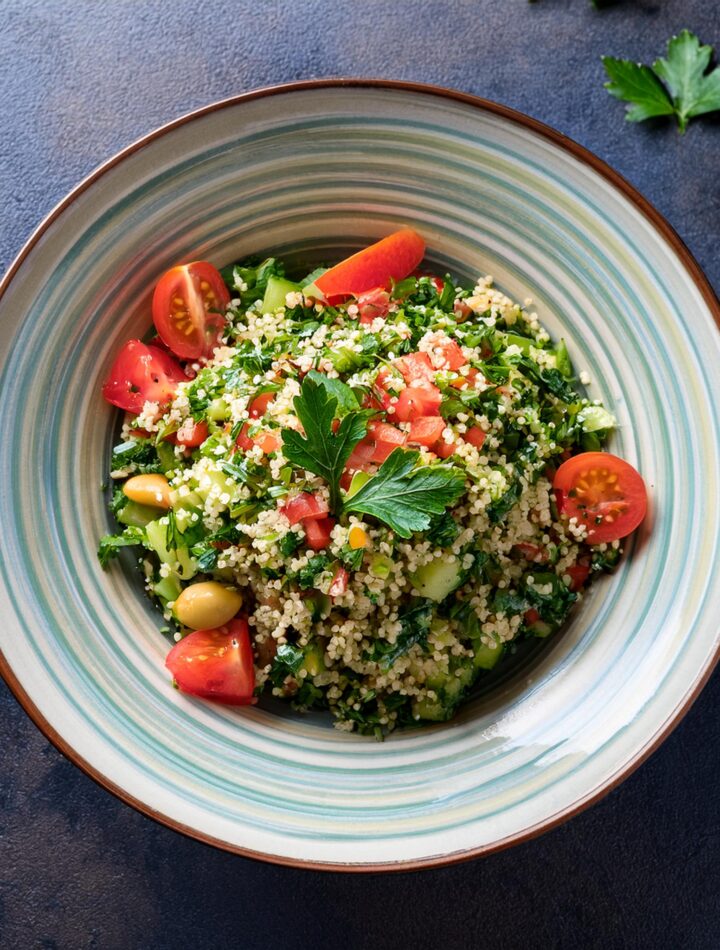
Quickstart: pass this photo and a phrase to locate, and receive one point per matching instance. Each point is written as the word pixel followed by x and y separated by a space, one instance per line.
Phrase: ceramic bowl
pixel 311 170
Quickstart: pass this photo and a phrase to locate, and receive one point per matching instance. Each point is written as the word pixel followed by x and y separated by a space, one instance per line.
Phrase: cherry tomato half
pixel 188 309
pixel 603 492
pixel 392 258
pixel 142 374
pixel 215 664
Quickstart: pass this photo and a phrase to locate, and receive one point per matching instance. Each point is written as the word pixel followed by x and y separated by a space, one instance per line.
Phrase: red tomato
pixel 142 374
pixel 317 532
pixel 603 492
pixel 387 385
pixel 462 382
pixel 452 355
pixel 304 506
pixel 444 449
pixel 579 573
pixel 215 664
pixel 188 309
pixel 373 304
pixel 339 583
pixel 191 438
pixel 361 457
pixel 475 436
pixel 269 441
pixel 386 439
pixel 416 368
pixel 426 431
pixel 532 552
pixel 392 258
pixel 416 401
pixel 258 407
pixel 531 616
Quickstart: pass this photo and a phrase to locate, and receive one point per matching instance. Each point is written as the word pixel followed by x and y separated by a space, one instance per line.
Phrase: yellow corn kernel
pixel 150 490
pixel 358 537
pixel 206 605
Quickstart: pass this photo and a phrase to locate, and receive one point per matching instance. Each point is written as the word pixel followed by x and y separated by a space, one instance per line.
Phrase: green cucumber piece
pixel 137 515
pixel 168 588
pixel 438 578
pixel 275 292
pixel 166 455
pixel 358 480
pixel 429 709
pixel 486 658
pixel 156 534
pixel 314 659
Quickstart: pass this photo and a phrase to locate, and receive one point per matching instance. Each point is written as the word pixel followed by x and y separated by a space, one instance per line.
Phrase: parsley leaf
pixel 322 451
pixel 414 628
pixel 110 544
pixel 405 498
pixel 678 85
pixel 347 401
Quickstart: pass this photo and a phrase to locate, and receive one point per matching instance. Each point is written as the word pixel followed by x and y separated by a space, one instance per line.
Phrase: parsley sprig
pixel 678 85
pixel 322 451
pixel 405 497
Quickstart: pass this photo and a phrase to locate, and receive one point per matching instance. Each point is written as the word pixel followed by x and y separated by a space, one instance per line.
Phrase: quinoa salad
pixel 361 490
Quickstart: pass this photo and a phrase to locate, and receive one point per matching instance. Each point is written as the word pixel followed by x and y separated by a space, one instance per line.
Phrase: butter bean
pixel 151 490
pixel 206 605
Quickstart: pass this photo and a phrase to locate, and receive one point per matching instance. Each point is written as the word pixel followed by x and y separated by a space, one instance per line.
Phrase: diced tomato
pixel 416 367
pixel 462 310
pixel 258 407
pixel 416 401
pixel 142 374
pixel 532 552
pixel 475 436
pixel 361 457
pixel 339 583
pixel 190 437
pixel 373 304
pixel 216 664
pixel 318 532
pixel 531 616
pixel 603 492
pixel 268 440
pixel 426 431
pixel 304 505
pixel 188 309
pixel 392 258
pixel 579 573
pixel 467 381
pixel 452 355
pixel 444 449
pixel 386 439
pixel 387 384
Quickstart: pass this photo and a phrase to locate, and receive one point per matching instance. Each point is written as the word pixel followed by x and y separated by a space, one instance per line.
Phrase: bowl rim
pixel 650 213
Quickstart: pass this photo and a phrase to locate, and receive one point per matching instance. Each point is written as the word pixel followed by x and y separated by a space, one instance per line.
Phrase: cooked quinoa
pixel 378 628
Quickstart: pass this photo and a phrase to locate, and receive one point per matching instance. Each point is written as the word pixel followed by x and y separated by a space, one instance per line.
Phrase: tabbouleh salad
pixel 359 491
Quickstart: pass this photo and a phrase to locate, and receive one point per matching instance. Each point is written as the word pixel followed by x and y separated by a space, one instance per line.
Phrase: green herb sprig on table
pixel 679 85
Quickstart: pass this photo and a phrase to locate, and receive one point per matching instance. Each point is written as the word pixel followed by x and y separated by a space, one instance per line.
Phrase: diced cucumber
pixel 275 292
pixel 210 480
pixel 562 360
pixel 314 659
pixel 521 342
pixel 380 566
pixel 218 410
pixel 168 588
pixel 188 502
pixel 596 419
pixel 432 710
pixel 358 480
pixel 540 629
pixel 156 533
pixel 438 578
pixel 137 515
pixel 487 657
pixel 167 457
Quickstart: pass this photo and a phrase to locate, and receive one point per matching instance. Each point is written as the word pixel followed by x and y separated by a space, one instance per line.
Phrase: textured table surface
pixel 78 869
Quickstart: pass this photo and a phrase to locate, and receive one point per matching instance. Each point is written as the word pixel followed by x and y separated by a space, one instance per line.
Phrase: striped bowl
pixel 311 170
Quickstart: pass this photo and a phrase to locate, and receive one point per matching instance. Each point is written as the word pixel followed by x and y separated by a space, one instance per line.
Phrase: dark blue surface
pixel 78 869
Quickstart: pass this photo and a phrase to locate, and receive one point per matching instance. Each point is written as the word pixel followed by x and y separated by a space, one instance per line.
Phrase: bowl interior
pixel 308 173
